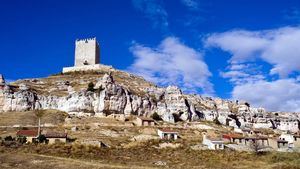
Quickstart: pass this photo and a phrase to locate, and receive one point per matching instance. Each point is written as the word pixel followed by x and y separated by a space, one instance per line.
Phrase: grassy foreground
pixel 66 156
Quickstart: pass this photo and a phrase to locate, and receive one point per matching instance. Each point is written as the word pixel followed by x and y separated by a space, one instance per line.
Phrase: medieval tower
pixel 87 52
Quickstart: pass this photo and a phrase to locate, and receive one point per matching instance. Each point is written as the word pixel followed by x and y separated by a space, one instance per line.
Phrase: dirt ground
pixel 32 161
pixel 130 147
pixel 147 156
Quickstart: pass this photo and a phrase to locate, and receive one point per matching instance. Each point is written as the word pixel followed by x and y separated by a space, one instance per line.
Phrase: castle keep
pixel 87 57
pixel 87 52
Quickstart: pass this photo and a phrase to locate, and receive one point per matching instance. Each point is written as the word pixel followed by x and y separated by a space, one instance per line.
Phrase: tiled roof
pixel 55 135
pixel 234 136
pixel 28 133
pixel 211 138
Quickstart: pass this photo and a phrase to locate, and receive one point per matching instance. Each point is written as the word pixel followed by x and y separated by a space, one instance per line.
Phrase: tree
pixel 8 138
pixel 41 139
pixel 39 114
pixel 22 139
pixel 91 87
pixel 156 117
pixel 256 147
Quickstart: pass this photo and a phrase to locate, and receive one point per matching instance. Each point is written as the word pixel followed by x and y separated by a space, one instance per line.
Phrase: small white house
pixel 167 134
pixel 213 143
pixel 288 138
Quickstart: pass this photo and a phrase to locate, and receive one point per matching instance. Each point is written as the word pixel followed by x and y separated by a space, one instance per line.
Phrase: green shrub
pixel 156 117
pixel 91 87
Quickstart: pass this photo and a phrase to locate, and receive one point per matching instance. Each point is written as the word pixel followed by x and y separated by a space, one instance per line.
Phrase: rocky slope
pixel 118 92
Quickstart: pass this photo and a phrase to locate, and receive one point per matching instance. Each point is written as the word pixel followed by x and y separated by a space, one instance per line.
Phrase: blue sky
pixel 238 49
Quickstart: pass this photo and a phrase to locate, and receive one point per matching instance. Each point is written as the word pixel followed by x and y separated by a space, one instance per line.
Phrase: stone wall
pixel 88 68
pixel 87 51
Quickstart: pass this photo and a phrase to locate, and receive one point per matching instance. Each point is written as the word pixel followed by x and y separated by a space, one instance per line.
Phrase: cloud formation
pixel 279 95
pixel 154 11
pixel 243 73
pixel 278 47
pixel 172 63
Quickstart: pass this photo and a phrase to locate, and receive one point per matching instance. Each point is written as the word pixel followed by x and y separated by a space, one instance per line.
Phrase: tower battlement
pixel 87 52
pixel 87 40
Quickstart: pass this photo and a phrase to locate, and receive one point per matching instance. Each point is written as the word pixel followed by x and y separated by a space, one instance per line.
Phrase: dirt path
pixel 26 161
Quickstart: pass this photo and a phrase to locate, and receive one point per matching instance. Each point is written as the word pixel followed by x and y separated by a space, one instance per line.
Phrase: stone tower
pixel 87 52
pixel 2 80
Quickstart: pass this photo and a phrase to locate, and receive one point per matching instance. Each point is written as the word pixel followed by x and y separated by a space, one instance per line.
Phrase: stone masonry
pixel 87 52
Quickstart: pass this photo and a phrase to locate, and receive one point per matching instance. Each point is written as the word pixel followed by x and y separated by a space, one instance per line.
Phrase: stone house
pixel 144 121
pixel 246 140
pixel 30 135
pixel 55 137
pixel 213 143
pixel 287 140
pixel 233 138
pixel 167 134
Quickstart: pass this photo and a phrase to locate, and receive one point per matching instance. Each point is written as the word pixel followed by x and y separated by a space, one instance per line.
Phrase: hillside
pixel 118 92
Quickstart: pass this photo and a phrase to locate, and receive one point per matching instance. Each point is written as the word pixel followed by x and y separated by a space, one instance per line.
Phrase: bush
pixel 91 87
pixel 41 139
pixel 217 122
pixel 22 139
pixel 176 117
pixel 156 117
pixel 8 138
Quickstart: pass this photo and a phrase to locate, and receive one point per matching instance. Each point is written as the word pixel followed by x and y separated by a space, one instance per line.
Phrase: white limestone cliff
pixel 109 97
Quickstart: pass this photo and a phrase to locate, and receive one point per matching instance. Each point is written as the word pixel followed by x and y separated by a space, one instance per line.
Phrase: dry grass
pixel 80 80
pixel 29 118
pixel 145 155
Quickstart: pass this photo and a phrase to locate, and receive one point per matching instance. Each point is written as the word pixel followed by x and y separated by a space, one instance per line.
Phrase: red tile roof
pixel 28 133
pixel 233 136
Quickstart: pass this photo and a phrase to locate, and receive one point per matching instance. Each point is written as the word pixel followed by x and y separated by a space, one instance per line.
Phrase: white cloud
pixel 279 95
pixel 172 63
pixel 154 11
pixel 243 73
pixel 278 47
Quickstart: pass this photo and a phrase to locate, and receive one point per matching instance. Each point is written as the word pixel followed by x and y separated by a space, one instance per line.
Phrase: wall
pixel 88 68
pixel 55 140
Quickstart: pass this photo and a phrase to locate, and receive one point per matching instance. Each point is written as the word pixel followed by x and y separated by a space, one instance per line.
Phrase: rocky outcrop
pixel 109 97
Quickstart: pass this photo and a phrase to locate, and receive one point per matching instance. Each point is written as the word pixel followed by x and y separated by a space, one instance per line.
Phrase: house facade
pixel 144 121
pixel 167 134
pixel 30 135
pixel 213 143
pixel 55 137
